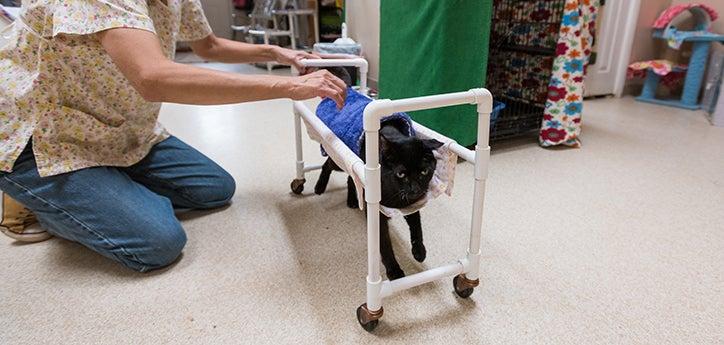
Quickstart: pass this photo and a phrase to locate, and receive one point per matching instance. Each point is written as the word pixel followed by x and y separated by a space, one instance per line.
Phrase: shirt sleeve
pixel 194 25
pixel 82 17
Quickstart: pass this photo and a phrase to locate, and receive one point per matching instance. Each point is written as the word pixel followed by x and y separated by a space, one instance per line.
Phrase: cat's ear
pixel 341 73
pixel 385 144
pixel 389 136
pixel 391 133
pixel 432 144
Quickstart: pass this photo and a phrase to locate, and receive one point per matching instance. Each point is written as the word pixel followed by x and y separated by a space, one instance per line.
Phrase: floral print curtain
pixel 562 117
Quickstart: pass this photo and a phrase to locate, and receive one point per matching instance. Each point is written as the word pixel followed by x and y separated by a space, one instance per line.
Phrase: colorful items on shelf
pixel 671 75
pixel 660 67
pixel 701 38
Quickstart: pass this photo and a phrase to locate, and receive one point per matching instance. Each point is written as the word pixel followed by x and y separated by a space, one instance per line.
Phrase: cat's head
pixel 407 167
pixel 341 73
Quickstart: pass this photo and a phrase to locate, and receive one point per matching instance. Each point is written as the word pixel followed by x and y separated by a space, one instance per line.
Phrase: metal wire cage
pixel 523 41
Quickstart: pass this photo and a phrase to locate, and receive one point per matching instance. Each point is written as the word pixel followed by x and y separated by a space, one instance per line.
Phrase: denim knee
pixel 227 187
pixel 159 248
pixel 217 192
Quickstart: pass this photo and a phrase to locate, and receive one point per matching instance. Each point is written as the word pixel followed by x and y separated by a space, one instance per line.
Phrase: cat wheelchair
pixel 466 271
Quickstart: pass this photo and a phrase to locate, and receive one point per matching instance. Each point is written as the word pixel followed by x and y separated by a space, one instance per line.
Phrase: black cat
pixel 407 167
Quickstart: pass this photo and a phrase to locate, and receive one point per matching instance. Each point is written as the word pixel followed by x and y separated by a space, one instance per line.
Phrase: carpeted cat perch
pixel 366 176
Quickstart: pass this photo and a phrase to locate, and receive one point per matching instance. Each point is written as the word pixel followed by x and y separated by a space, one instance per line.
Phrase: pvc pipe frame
pixel 470 265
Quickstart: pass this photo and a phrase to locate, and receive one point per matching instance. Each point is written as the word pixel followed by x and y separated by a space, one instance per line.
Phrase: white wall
pixel 363 25
pixel 218 12
pixel 718 25
pixel 644 46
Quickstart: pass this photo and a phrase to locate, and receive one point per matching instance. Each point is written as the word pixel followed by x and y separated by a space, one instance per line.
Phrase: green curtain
pixel 430 47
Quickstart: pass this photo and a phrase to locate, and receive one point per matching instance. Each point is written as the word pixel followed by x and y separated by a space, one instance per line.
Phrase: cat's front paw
pixel 395 274
pixel 419 252
pixel 352 203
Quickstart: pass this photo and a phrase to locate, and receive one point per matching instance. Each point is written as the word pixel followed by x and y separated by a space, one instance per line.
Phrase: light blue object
pixel 676 38
pixel 342 45
pixel 334 48
pixel 694 75
pixel 497 108
pixel 346 123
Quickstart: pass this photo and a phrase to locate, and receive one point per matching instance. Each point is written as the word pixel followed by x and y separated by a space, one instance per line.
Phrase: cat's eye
pixel 400 174
pixel 424 172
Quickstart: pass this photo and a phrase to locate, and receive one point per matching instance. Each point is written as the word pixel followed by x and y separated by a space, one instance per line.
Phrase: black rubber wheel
pixel 464 293
pixel 370 326
pixel 297 186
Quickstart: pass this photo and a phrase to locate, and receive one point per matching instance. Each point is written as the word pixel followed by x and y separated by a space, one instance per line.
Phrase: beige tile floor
pixel 619 242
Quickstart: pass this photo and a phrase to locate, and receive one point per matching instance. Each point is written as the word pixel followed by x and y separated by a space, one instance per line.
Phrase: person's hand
pixel 318 84
pixel 293 58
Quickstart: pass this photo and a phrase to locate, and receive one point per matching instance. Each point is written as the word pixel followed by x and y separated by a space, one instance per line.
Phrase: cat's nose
pixel 416 191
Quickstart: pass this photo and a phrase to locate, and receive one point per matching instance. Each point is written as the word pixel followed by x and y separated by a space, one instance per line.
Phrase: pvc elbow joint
pixel 375 111
pixel 483 100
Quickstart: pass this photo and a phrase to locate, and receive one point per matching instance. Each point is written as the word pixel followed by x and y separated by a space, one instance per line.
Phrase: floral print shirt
pixel 58 85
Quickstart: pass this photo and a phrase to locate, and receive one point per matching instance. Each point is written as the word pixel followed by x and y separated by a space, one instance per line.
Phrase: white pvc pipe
pixel 292 31
pixel 380 108
pixel 341 62
pixel 308 168
pixel 266 41
pixel 461 151
pixel 298 144
pixel 270 34
pixel 333 142
pixel 390 287
pixel 482 157
pixel 373 195
pixel 434 101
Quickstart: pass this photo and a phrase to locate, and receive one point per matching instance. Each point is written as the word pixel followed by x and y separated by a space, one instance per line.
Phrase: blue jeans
pixel 126 214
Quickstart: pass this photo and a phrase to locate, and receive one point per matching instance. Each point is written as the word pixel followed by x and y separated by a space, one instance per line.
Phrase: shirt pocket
pixel 107 119
pixel 71 126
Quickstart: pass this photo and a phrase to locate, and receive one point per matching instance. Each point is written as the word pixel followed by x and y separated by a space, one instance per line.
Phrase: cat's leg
pixel 388 255
pixel 352 201
pixel 418 247
pixel 327 168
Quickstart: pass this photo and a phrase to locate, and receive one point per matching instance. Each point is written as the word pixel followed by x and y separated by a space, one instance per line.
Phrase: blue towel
pixel 347 123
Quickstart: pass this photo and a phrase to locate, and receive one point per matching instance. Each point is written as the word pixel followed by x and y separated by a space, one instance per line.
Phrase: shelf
pixel 708 37
pixel 528 50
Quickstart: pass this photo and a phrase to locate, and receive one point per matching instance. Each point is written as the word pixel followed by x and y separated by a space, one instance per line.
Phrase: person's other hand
pixel 318 84
pixel 293 58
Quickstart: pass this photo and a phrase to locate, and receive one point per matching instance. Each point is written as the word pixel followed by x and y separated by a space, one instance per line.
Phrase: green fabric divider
pixel 435 46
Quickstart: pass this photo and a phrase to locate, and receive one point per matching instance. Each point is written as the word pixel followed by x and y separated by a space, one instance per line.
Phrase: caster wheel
pixel 464 287
pixel 297 186
pixel 368 320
